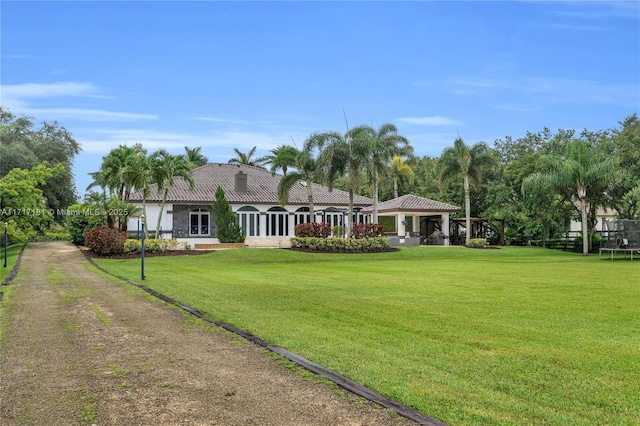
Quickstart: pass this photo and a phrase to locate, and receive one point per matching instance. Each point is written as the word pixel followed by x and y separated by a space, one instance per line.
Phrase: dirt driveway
pixel 81 348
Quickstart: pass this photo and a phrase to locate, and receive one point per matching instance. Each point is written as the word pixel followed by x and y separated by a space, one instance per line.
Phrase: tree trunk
pixel 350 218
pixel 467 207
pixel 164 200
pixel 395 187
pixel 312 214
pixel 375 196
pixel 585 233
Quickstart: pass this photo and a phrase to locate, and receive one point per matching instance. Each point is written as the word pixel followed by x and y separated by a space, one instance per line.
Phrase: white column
pixel 445 228
pixel 415 226
pixel 262 219
pixel 292 224
pixel 400 226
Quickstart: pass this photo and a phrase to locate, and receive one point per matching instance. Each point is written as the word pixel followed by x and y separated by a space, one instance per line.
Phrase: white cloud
pixel 23 99
pixel 436 120
pixel 40 90
pixel 540 90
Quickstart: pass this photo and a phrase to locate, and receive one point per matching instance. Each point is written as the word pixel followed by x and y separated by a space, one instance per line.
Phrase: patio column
pixel 415 226
pixel 292 224
pixel 262 218
pixel 399 225
pixel 445 228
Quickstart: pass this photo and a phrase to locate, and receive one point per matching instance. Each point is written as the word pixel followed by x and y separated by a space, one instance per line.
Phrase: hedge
pixel 342 245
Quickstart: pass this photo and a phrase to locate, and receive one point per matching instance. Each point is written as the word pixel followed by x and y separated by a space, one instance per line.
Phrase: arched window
pixel 199 222
pixel 249 220
pixel 277 222
pixel 302 216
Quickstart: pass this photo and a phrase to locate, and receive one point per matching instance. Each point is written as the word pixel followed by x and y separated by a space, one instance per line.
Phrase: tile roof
pixel 413 203
pixel 261 188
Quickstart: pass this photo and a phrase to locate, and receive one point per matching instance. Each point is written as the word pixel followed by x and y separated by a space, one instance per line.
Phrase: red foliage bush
pixel 105 240
pixel 313 229
pixel 366 230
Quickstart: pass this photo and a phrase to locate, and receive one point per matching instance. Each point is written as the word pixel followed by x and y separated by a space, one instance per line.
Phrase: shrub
pixel 476 243
pixel 105 240
pixel 313 229
pixel 338 231
pixel 229 231
pixel 156 246
pixel 366 230
pixel 342 245
pixel 81 217
pixel 132 246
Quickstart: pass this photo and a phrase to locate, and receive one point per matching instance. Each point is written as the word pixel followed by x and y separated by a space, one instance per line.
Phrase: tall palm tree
pixel 139 170
pixel 469 162
pixel 245 158
pixel 282 157
pixel 113 168
pixel 387 143
pixel 347 154
pixel 307 169
pixel 195 156
pixel 582 170
pixel 166 170
pixel 400 171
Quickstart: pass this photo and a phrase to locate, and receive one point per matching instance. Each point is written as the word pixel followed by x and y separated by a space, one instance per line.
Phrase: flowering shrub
pixel 313 229
pixel 366 230
pixel 132 246
pixel 103 240
pixel 151 245
pixel 476 243
pixel 342 245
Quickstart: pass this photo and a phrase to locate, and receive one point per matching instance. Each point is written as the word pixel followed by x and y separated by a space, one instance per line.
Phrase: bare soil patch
pixel 80 348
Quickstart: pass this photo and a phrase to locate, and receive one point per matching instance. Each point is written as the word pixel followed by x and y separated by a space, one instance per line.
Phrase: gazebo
pixel 415 207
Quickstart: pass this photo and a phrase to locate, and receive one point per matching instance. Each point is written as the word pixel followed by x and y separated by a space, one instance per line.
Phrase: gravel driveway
pixel 79 347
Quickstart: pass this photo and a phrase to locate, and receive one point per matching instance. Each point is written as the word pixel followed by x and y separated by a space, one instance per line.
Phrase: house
pixel 252 195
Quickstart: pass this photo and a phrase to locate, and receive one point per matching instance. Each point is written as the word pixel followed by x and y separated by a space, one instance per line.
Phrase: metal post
pixel 142 251
pixel 6 246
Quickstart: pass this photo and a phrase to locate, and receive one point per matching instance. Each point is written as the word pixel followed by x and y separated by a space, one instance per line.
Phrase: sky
pixel 224 75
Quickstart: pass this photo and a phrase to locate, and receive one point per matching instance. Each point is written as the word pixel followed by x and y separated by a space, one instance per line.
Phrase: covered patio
pixel 407 211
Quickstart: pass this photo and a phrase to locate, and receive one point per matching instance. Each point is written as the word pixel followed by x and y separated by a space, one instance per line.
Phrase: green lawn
pixel 510 336
pixel 12 256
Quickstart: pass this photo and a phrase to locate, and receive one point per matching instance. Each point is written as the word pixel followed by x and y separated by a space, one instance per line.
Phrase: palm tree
pixel 307 168
pixel 166 170
pixel 582 170
pixel 387 143
pixel 348 155
pixel 281 157
pixel 195 156
pixel 245 158
pixel 400 171
pixel 112 171
pixel 469 162
pixel 139 170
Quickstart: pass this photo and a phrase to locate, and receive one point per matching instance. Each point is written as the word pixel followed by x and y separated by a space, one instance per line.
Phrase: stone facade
pixel 181 221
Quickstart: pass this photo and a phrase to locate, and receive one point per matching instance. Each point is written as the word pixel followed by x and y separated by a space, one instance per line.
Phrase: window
pixel 249 220
pixel 302 216
pixel 277 222
pixel 199 222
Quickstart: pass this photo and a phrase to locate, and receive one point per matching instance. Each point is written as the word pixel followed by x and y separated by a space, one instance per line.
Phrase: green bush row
pixel 342 245
pixel 152 245
pixel 476 243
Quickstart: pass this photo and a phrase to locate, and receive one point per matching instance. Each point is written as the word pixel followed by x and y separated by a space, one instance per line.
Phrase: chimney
pixel 241 182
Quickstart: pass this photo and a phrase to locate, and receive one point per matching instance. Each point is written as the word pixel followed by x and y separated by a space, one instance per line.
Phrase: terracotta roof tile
pixel 261 188
pixel 413 203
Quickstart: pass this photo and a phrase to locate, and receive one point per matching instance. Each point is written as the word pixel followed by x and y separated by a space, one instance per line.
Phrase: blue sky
pixel 237 74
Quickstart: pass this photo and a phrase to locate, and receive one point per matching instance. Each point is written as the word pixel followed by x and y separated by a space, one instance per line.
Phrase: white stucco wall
pixel 153 210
